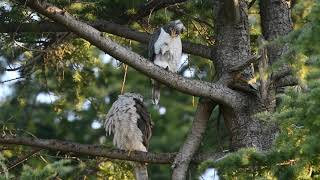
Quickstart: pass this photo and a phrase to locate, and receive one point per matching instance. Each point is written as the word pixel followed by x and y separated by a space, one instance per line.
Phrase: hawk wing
pixel 153 39
pixel 129 121
pixel 144 121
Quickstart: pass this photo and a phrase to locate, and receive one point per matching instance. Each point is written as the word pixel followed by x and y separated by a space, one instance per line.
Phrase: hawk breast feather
pixel 130 123
pixel 166 50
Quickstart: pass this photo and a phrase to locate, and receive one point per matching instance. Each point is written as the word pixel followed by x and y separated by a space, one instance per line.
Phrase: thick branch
pixel 281 73
pixel 287 81
pixel 154 5
pixel 101 151
pixel 216 92
pixel 103 26
pixel 247 63
pixel 192 143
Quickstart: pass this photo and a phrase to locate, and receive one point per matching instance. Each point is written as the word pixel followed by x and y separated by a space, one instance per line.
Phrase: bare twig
pixel 153 5
pixel 26 48
pixel 182 12
pixel 23 158
pixel 251 3
pixel 125 68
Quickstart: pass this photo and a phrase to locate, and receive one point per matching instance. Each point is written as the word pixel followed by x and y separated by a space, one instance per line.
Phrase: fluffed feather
pixel 129 121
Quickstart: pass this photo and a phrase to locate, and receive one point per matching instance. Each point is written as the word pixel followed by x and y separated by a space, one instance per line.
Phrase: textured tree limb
pixel 154 5
pixel 287 81
pixel 102 151
pixel 192 143
pixel 241 67
pixel 217 92
pixel 103 26
pixel 281 73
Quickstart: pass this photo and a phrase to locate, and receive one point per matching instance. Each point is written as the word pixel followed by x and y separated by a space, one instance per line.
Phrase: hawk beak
pixel 173 33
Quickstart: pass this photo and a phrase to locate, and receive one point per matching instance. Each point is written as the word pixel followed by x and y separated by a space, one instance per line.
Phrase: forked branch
pixel 217 92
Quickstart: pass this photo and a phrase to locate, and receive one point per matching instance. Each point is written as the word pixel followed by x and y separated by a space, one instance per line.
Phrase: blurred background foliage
pixel 63 85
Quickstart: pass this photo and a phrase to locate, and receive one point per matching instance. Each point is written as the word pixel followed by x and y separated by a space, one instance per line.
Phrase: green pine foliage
pixel 60 169
pixel 295 154
pixel 85 82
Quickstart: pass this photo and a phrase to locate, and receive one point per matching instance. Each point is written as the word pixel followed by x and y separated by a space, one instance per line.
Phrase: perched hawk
pixel 130 123
pixel 165 50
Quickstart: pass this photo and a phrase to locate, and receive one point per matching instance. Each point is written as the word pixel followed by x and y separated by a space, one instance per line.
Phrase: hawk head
pixel 132 95
pixel 174 28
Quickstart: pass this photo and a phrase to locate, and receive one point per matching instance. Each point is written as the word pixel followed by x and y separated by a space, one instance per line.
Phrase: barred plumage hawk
pixel 129 121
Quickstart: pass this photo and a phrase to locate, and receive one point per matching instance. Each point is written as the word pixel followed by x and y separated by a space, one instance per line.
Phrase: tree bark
pixel 102 151
pixel 233 49
pixel 192 143
pixel 275 22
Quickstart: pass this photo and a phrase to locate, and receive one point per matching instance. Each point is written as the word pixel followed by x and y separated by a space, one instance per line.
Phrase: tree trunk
pixel 233 49
pixel 275 22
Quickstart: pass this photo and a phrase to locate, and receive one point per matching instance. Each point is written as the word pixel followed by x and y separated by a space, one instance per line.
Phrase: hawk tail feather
pixel 141 171
pixel 155 92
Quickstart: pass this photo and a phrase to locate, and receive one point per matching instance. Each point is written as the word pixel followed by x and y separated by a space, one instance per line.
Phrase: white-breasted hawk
pixel 165 50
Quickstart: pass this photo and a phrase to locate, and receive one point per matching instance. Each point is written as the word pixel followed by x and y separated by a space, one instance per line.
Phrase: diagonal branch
pixel 154 5
pixel 217 92
pixel 192 143
pixel 102 151
pixel 23 158
pixel 103 26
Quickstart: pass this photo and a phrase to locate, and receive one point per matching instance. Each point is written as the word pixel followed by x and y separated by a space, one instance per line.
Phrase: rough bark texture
pixel 275 22
pixel 275 18
pixel 232 50
pixel 192 143
pixel 102 151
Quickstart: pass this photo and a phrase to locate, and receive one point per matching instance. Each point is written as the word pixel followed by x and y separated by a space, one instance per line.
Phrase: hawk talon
pixel 129 153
